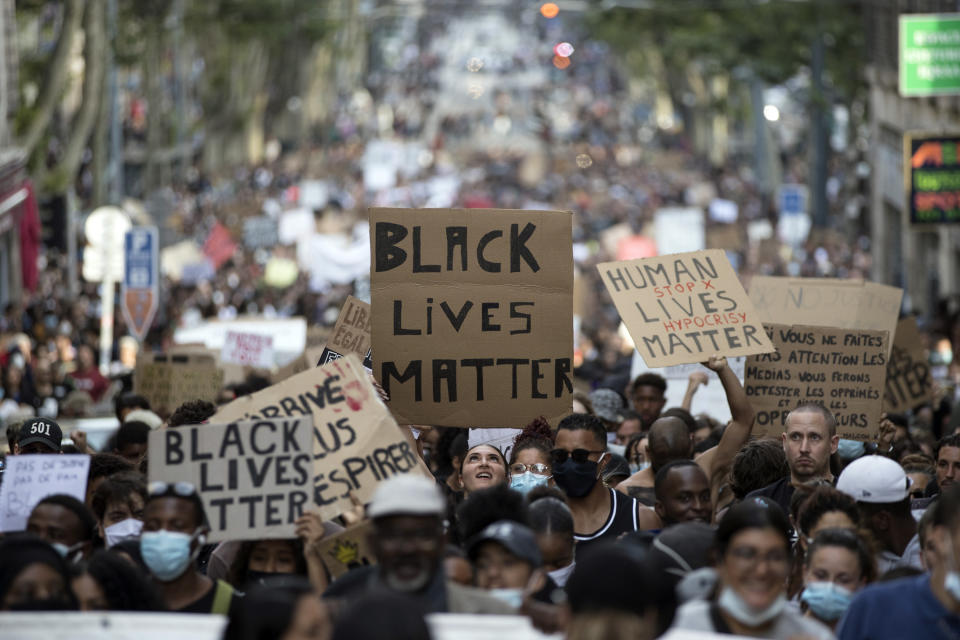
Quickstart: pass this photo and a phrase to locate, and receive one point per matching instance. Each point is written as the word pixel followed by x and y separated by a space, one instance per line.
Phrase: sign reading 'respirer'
pixel 683 308
pixel 842 369
pixel 255 478
pixel 356 443
pixel 472 314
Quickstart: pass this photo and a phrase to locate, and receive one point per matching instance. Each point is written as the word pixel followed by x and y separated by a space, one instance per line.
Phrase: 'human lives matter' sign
pixel 472 314
pixel 684 307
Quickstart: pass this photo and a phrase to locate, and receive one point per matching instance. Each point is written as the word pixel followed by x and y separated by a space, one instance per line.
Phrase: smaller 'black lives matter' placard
pixel 843 370
pixel 255 477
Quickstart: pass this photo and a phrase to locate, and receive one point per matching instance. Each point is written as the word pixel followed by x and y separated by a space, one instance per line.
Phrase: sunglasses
pixel 559 456
pixel 182 489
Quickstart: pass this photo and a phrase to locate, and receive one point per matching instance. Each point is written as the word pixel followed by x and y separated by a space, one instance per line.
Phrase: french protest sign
pixel 255 477
pixel 249 349
pixel 351 334
pixel 356 443
pixel 827 302
pixel 684 307
pixel 348 549
pixel 908 373
pixel 29 479
pixel 842 369
pixel 473 314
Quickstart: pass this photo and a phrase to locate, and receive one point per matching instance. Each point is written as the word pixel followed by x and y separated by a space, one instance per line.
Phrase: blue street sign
pixel 140 289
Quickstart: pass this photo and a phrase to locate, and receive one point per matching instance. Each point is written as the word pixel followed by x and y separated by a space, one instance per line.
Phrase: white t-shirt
pixel 887 560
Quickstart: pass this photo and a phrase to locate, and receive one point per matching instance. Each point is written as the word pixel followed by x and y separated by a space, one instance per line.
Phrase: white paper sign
pixel 73 625
pixel 250 349
pixel 30 479
pixel 468 626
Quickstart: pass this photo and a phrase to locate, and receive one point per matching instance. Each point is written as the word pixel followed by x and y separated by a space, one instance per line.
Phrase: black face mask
pixel 260 578
pixel 576 479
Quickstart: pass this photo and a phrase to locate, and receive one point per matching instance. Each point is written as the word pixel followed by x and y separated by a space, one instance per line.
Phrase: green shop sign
pixel 929 54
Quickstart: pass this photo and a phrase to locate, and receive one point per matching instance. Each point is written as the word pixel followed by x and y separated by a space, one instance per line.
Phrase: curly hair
pixel 757 464
pixel 486 506
pixel 821 501
pixel 536 435
pixel 104 465
pixel 191 412
pixel 125 588
pixel 119 487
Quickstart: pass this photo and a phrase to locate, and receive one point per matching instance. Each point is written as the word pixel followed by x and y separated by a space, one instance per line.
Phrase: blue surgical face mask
pixel 513 597
pixel 827 600
pixel 167 553
pixel 561 575
pixel 68 553
pixel 634 467
pixel 850 449
pixel 526 481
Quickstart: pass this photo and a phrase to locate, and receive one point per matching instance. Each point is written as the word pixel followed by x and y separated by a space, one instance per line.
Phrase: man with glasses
pixel 174 531
pixel 408 542
pixel 599 513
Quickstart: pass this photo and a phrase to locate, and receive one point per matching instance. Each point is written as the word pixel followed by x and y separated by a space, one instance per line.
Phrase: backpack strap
pixel 222 598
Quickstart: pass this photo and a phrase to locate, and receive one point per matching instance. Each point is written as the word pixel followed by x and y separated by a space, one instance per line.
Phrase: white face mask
pixel 561 575
pixel 732 604
pixel 123 530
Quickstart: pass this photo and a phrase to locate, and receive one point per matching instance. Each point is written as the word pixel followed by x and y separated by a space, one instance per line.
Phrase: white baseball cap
pixel 406 494
pixel 875 479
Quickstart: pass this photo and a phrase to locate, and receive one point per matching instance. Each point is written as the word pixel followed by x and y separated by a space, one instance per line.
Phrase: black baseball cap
pixel 41 430
pixel 516 538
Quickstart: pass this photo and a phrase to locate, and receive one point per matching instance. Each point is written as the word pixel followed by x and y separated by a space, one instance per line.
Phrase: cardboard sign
pixel 29 479
pixel 347 550
pixel 842 369
pixel 356 444
pixel 100 625
pixel 472 314
pixel 168 381
pixel 351 334
pixel 827 302
pixel 685 307
pixel 255 478
pixel 909 383
pixel 249 349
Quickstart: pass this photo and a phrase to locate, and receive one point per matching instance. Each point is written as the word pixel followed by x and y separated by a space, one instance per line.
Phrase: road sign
pixel 792 199
pixel 929 54
pixel 139 289
pixel 104 229
pixel 932 180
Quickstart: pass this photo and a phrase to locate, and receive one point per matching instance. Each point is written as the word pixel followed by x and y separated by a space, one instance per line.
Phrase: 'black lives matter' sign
pixel 472 314
pixel 255 477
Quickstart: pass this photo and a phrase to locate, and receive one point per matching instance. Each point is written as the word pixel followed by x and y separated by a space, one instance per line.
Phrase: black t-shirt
pixel 204 604
pixel 780 492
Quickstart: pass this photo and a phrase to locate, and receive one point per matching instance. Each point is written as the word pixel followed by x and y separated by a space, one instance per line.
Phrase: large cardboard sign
pixel 351 334
pixel 909 382
pixel 473 314
pixel 255 477
pixel 842 369
pixel 169 380
pixel 29 479
pixel 827 302
pixel 356 443
pixel 685 307
pixel 348 550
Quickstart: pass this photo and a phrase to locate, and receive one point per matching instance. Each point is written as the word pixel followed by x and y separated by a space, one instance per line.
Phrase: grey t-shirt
pixel 697 616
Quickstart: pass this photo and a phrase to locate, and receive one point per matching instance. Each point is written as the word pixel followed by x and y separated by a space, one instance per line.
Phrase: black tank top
pixel 622 519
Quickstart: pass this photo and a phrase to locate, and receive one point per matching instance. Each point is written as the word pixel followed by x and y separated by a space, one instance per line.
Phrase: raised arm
pixel 696 379
pixel 742 416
